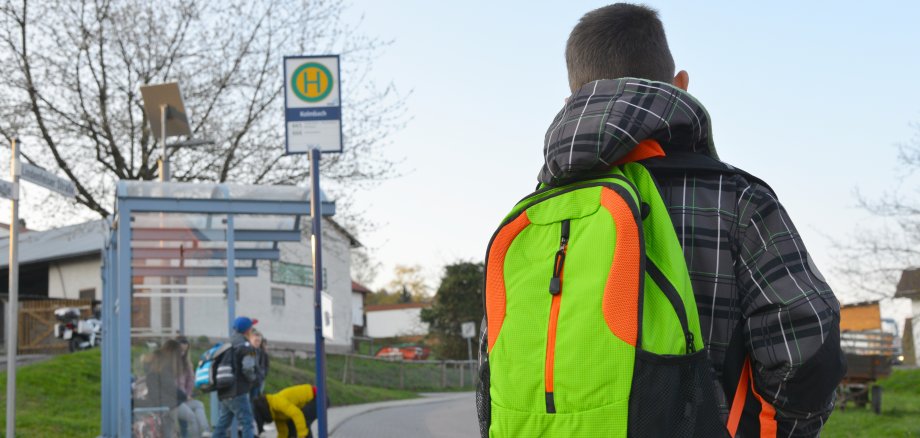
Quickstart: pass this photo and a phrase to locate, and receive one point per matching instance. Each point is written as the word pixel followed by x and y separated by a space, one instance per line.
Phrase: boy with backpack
pixel 240 361
pixel 647 288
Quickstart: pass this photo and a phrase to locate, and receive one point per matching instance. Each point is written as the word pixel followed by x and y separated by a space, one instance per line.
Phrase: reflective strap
pixel 767 411
pixel 734 416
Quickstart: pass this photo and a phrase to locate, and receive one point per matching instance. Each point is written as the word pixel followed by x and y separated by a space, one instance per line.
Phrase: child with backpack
pixel 232 372
pixel 648 289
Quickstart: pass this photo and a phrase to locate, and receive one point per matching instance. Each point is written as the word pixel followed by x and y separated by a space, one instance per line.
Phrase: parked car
pixel 404 352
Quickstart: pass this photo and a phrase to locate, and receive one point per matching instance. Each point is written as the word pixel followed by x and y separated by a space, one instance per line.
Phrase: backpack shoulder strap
pixel 680 162
pixel 222 349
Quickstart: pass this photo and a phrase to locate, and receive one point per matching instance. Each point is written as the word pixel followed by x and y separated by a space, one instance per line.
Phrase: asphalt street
pixel 451 418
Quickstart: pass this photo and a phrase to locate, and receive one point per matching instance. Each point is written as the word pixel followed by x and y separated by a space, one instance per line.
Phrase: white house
pixel 359 293
pixel 66 263
pixel 391 320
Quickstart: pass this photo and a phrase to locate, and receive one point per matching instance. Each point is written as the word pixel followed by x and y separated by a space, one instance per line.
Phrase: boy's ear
pixel 681 80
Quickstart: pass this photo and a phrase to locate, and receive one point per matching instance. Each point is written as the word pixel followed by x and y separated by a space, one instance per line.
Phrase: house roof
pixel 72 241
pixel 909 284
pixel 352 240
pixel 359 288
pixel 401 306
pixel 859 304
pixel 6 226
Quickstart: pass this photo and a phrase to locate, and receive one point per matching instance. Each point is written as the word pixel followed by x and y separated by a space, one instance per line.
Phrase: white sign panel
pixel 327 316
pixel 468 329
pixel 8 190
pixel 48 180
pixel 312 104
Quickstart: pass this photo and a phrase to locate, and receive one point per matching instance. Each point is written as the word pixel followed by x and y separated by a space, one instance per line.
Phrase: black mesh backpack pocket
pixel 484 400
pixel 674 396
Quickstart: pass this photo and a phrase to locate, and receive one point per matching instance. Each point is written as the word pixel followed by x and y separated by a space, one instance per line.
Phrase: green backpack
pixel 592 324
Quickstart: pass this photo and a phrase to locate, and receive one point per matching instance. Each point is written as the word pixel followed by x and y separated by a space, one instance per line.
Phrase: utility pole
pixel 13 327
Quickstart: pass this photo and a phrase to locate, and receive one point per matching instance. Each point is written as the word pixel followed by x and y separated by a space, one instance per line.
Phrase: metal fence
pixel 414 375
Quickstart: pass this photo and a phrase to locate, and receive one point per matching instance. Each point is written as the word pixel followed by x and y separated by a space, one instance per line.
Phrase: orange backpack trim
pixel 767 411
pixel 551 343
pixel 734 416
pixel 620 305
pixel 645 149
pixel 495 275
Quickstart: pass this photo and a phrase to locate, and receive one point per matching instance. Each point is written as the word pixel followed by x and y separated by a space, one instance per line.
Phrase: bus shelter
pixel 166 238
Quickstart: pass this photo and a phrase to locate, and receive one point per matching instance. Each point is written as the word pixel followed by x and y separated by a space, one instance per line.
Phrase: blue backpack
pixel 215 368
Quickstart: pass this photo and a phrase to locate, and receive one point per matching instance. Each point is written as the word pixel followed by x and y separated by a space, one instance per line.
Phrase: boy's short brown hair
pixel 615 41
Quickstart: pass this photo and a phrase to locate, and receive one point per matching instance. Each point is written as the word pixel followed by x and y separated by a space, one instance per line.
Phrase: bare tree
pixel 363 267
pixel 71 71
pixel 872 259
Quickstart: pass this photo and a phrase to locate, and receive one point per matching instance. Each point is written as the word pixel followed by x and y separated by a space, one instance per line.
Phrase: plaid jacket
pixel 759 295
pixel 769 319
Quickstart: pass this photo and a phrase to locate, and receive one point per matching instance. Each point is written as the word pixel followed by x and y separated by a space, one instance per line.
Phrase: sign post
pixel 468 330
pixel 13 328
pixel 50 181
pixel 313 124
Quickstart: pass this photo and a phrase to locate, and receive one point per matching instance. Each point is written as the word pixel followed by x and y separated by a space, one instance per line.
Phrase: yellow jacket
pixel 287 404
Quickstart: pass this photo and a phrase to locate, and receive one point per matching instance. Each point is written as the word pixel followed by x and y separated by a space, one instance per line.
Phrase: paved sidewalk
pixel 344 415
pixel 23 359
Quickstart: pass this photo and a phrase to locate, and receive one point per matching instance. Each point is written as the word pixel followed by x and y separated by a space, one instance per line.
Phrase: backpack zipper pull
pixel 690 348
pixel 555 283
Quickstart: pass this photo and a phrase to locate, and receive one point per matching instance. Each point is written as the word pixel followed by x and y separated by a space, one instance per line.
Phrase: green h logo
pixel 312 82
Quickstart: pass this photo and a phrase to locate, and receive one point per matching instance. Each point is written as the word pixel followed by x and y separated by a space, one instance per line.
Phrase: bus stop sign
pixel 312 104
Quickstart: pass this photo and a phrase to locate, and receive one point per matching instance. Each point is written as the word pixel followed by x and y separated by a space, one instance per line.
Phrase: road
pixel 454 418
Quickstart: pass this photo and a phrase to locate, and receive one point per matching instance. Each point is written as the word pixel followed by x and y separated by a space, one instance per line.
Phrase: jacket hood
pixel 237 338
pixel 605 119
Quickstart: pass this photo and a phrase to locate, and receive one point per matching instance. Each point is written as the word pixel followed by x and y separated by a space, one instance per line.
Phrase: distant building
pixel 5 229
pixel 909 287
pixel 391 320
pixel 66 262
pixel 358 319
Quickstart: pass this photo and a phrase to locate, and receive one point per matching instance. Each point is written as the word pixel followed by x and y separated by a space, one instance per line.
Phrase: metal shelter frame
pixel 144 197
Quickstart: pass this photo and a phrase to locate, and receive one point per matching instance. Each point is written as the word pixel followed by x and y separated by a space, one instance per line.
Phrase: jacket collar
pixel 604 120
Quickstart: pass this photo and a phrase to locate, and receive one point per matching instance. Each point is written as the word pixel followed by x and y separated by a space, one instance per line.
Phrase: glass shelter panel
pixel 178 256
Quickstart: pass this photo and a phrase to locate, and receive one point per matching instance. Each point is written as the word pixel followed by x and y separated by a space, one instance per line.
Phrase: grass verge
pixel 62 396
pixel 900 415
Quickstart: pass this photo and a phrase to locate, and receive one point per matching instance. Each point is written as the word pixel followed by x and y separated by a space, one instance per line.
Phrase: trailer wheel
pixel 877 399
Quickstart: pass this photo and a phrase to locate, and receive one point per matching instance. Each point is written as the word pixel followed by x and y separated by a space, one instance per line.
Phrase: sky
pixel 813 98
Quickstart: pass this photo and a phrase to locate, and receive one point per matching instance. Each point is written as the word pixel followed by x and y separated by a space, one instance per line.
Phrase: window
pixel 88 294
pixel 277 296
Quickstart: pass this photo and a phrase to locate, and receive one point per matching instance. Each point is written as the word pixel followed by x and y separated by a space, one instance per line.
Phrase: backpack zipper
pixel 555 289
pixel 555 283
